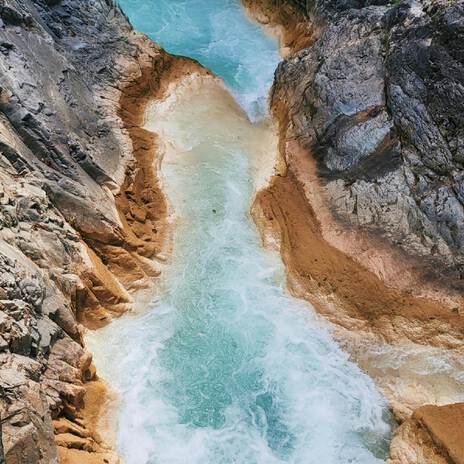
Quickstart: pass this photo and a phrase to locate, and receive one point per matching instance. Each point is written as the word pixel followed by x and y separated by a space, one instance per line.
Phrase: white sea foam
pixel 226 367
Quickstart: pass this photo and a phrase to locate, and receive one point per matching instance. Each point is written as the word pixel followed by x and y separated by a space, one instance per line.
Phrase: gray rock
pixel 61 147
pixel 379 100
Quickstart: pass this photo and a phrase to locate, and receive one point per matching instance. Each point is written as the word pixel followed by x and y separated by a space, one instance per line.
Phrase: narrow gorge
pixel 235 239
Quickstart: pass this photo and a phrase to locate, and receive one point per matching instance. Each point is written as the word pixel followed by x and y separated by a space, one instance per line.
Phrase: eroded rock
pixel 69 116
pixel 378 101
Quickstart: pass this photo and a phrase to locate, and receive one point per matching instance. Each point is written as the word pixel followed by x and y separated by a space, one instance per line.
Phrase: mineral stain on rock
pixel 367 208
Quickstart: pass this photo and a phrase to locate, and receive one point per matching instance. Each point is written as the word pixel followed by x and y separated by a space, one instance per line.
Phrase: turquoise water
pixel 217 34
pixel 225 367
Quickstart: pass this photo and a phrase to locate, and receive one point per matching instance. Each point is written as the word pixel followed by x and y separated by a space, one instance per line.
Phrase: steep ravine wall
pixel 366 197
pixel 82 216
pixel 368 212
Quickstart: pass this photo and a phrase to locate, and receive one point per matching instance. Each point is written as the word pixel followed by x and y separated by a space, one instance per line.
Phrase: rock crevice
pixel 367 213
pixel 82 216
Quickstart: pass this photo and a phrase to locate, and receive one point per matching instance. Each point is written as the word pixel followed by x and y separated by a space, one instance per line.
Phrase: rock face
pixel 368 110
pixel 81 214
pixel 378 100
pixel 433 435
pixel 368 213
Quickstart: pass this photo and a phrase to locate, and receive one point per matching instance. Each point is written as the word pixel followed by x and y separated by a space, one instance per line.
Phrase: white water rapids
pixel 225 367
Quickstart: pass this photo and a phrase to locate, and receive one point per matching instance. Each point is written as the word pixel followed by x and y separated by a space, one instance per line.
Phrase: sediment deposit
pixel 368 215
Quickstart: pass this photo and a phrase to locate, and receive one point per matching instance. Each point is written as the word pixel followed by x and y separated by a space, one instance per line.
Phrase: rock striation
pixel 377 101
pixel 82 217
pixel 368 211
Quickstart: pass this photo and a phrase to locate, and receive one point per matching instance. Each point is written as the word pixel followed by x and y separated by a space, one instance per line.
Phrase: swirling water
pixel 218 35
pixel 225 367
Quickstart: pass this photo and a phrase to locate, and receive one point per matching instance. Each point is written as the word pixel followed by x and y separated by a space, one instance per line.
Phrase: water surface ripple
pixel 225 367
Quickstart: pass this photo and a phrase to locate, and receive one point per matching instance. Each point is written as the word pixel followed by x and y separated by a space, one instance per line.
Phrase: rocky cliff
pixel 375 99
pixel 81 215
pixel 380 107
pixel 369 210
pixel 367 107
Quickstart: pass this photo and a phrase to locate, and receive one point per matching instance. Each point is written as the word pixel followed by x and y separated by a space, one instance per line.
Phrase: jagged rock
pixel 64 155
pixel 70 440
pixel 88 219
pixel 369 204
pixel 433 435
pixel 32 292
pixel 26 426
pixel 64 425
pixel 378 100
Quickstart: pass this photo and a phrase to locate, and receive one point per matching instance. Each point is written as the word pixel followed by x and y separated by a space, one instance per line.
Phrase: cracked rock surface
pixel 67 155
pixel 378 99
